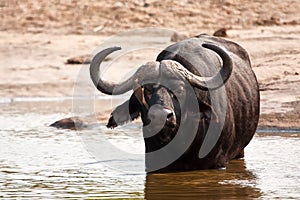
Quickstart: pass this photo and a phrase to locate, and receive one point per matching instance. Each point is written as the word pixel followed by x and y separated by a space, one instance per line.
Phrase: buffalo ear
pixel 124 113
pixel 207 112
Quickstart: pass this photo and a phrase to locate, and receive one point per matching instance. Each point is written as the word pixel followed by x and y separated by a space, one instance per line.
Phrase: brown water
pixel 39 162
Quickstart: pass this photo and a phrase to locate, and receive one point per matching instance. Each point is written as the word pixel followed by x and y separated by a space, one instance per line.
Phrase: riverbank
pixel 36 44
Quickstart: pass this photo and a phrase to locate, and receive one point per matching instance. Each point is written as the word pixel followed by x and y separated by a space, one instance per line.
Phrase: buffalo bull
pixel 204 84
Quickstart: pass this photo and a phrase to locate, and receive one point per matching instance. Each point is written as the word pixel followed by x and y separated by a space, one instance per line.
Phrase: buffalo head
pixel 160 94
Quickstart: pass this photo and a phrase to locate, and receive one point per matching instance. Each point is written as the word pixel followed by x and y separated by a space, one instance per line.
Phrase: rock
pixel 118 4
pixel 72 123
pixel 146 5
pixel 222 32
pixel 176 37
pixel 286 73
pixel 268 22
pixel 98 28
pixel 83 59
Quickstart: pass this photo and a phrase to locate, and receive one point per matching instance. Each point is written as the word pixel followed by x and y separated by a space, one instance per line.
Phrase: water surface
pixel 40 162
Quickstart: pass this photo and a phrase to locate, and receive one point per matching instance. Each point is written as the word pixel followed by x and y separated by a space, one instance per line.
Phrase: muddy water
pixel 39 162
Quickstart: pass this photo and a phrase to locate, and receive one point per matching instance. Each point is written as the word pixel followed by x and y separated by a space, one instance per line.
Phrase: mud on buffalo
pixel 200 92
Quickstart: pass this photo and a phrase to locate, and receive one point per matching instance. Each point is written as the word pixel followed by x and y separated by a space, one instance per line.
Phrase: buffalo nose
pixel 171 120
pixel 160 116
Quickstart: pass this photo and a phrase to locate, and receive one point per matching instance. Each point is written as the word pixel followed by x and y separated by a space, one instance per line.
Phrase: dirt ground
pixel 37 37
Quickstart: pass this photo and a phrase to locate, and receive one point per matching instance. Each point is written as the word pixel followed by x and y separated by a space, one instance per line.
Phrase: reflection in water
pixel 234 182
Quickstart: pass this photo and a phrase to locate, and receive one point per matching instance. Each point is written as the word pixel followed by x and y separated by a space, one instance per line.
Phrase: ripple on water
pixel 37 161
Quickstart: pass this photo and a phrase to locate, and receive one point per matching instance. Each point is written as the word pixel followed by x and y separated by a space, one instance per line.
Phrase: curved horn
pixel 223 75
pixel 206 83
pixel 150 69
pixel 107 87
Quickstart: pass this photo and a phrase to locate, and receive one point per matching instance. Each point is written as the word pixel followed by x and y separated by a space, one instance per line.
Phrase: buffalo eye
pixel 149 90
pixel 147 93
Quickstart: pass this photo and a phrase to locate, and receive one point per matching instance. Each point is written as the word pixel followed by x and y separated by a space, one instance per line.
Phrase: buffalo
pixel 200 92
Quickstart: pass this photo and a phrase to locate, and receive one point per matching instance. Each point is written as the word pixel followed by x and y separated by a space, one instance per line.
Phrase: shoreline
pixel 32 68
pixel 288 120
pixel 36 42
